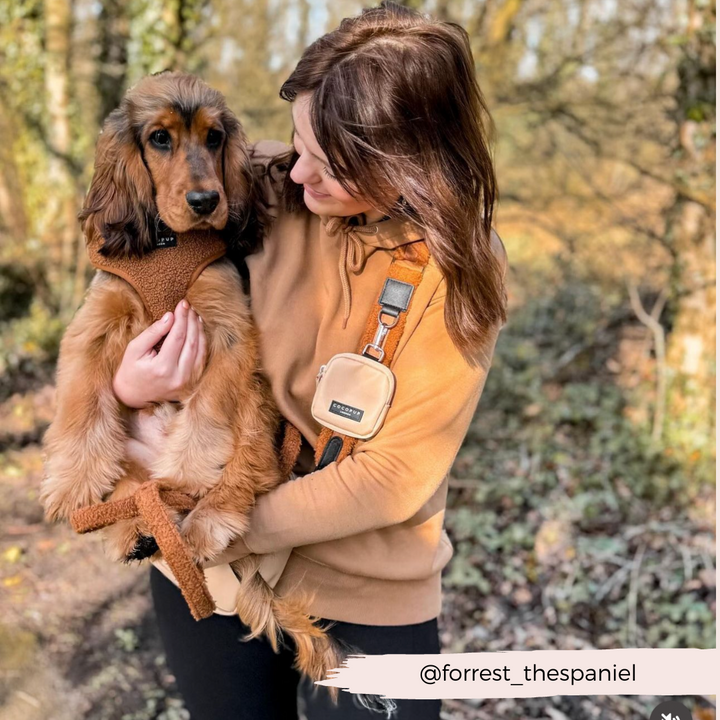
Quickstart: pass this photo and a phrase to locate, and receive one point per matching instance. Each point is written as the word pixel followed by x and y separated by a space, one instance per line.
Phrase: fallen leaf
pixel 522 596
pixel 532 410
pixel 12 554
pixel 553 542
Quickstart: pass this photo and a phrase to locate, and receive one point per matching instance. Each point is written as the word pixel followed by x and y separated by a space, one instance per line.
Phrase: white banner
pixel 532 673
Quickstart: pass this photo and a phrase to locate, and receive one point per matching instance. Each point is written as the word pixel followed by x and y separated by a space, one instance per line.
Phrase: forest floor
pixel 555 549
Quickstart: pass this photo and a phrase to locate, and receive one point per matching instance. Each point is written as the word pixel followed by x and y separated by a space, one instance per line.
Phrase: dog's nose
pixel 203 203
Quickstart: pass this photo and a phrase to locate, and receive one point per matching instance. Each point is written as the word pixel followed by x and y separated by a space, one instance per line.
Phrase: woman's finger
pixel 150 336
pixel 173 345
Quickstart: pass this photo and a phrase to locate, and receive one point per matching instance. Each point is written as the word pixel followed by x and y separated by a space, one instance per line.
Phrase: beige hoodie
pixel 367 533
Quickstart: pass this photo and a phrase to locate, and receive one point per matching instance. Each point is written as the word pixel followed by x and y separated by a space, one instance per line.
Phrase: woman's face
pixel 323 193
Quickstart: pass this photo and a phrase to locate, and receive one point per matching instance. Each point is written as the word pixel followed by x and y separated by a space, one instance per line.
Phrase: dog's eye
pixel 214 138
pixel 161 139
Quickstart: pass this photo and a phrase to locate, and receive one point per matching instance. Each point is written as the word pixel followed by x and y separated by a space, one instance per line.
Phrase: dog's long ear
pixel 120 204
pixel 246 207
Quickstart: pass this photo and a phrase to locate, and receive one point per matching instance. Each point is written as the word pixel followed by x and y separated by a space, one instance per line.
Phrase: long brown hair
pixel 396 107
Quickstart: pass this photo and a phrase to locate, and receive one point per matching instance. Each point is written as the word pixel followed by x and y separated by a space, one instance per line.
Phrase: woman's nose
pixel 304 172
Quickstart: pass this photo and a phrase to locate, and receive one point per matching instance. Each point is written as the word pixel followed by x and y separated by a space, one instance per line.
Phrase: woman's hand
pixel 146 376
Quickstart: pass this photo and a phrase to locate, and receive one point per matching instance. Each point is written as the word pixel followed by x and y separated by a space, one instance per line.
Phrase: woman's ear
pixel 120 204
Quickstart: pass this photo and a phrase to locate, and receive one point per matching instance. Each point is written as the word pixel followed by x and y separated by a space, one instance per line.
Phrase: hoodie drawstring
pixel 352 254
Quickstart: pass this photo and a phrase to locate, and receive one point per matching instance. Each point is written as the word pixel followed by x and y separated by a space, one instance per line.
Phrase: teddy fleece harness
pixel 162 278
pixel 151 503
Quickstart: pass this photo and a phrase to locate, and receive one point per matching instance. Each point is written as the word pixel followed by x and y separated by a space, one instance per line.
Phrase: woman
pixel 389 148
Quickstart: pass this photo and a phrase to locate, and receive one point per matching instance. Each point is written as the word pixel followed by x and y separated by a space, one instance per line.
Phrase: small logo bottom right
pixel 671 710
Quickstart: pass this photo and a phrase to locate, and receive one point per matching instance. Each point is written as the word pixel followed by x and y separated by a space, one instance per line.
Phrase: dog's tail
pixel 316 651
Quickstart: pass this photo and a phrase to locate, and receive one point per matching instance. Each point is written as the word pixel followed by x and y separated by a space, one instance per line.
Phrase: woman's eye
pixel 214 138
pixel 161 139
pixel 329 174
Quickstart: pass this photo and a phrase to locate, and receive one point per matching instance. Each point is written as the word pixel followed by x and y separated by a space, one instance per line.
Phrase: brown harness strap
pixel 151 503
pixel 290 449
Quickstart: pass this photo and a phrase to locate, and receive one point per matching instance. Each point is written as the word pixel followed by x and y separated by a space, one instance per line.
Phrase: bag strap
pixel 381 338
pixel 406 269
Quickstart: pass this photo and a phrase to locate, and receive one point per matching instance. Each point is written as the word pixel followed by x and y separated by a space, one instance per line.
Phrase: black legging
pixel 223 678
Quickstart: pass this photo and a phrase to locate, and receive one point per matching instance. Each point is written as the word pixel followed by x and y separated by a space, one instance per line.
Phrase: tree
pixel 690 229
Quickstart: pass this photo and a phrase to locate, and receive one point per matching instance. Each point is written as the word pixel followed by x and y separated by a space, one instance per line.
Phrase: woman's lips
pixel 316 195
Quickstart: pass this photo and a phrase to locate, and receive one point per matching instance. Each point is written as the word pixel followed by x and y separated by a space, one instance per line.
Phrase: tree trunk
pixel 691 227
pixel 58 14
pixel 114 34
pixel 13 220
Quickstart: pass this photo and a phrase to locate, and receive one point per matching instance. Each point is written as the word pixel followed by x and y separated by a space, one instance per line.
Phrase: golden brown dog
pixel 174 153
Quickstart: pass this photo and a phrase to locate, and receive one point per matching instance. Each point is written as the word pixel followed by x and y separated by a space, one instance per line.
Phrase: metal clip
pixel 378 342
pixel 376 347
pixel 382 312
pixel 380 335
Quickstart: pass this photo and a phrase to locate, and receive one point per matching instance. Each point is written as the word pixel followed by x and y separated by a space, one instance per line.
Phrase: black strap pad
pixel 331 451
pixel 395 296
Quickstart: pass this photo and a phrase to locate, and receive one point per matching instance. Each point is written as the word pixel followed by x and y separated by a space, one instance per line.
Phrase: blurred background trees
pixel 594 442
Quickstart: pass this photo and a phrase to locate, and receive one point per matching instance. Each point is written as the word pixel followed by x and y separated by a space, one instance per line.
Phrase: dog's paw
pixel 128 540
pixel 60 501
pixel 208 532
pixel 145 547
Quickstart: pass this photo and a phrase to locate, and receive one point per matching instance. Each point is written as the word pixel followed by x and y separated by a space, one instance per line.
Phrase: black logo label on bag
pixel 346 411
